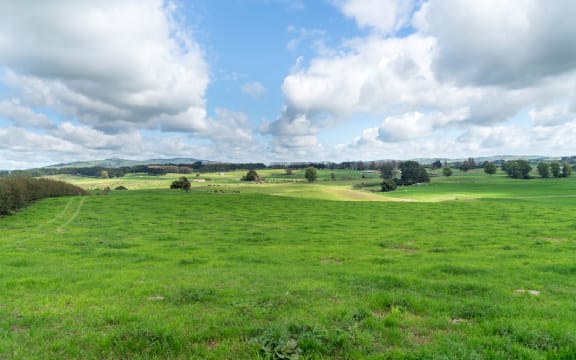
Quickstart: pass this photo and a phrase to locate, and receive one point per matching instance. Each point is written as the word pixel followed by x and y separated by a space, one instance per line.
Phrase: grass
pixel 160 274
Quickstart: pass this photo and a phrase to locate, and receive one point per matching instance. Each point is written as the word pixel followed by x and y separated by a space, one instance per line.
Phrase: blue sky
pixel 280 80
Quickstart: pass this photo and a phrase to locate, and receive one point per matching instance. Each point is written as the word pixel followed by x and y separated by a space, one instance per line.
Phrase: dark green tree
pixel 489 168
pixel 447 170
pixel 468 164
pixel 388 171
pixel 182 183
pixel 566 170
pixel 311 174
pixel 436 165
pixel 412 173
pixel 251 175
pixel 543 169
pixel 555 169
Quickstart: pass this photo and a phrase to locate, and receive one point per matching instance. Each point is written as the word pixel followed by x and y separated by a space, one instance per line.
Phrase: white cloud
pixel 254 89
pixel 552 115
pixel 110 64
pixel 386 16
pixel 511 43
pixel 468 64
pixel 416 125
pixel 23 116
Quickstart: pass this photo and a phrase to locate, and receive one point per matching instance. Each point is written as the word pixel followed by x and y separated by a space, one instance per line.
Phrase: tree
pixel 468 164
pixel 503 166
pixel 489 168
pixel 543 169
pixel 387 171
pixel 182 183
pixel 288 171
pixel 447 170
pixel 555 168
pixel 566 170
pixel 311 174
pixel 413 173
pixel 436 165
pixel 388 185
pixel 251 175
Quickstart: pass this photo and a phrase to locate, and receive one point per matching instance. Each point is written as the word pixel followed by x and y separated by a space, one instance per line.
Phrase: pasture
pixel 468 267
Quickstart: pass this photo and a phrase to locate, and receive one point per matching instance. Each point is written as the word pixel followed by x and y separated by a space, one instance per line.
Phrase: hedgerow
pixel 18 192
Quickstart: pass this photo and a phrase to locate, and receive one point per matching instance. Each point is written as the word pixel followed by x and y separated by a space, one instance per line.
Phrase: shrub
pixel 251 175
pixel 18 192
pixel 182 183
pixel 388 185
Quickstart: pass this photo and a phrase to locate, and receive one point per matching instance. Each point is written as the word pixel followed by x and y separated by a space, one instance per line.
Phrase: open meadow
pixel 467 267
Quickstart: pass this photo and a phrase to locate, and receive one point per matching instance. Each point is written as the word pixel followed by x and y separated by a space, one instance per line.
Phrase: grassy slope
pixel 164 274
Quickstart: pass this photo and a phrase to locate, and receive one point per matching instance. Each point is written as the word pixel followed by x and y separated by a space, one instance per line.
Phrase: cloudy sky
pixel 285 80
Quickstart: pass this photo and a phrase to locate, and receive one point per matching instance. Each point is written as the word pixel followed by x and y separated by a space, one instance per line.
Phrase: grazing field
pixel 239 273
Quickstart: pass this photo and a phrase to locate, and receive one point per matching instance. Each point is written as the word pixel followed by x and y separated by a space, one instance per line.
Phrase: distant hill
pixel 116 163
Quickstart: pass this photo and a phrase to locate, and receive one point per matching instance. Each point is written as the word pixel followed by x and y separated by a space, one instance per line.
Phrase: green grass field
pixel 468 267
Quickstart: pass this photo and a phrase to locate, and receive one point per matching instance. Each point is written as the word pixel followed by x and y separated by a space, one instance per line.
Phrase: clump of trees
pixel 555 169
pixel 447 171
pixel 517 169
pixel 411 173
pixel 182 183
pixel 468 164
pixel 18 192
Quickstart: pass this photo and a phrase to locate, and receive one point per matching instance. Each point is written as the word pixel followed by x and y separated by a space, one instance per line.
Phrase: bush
pixel 388 185
pixel 18 192
pixel 251 175
pixel 182 183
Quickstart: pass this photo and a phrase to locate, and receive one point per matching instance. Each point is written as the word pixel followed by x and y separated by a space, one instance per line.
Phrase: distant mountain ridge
pixel 117 163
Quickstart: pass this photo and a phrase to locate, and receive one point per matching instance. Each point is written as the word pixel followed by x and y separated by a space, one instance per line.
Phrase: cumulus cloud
pixel 110 64
pixel 511 43
pixel 416 125
pixel 466 65
pixel 386 16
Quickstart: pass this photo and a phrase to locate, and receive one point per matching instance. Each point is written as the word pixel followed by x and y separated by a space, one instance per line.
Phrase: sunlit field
pixel 467 267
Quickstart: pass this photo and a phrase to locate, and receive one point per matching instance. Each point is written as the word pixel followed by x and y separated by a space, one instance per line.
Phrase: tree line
pixel 158 170
pixel 18 192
